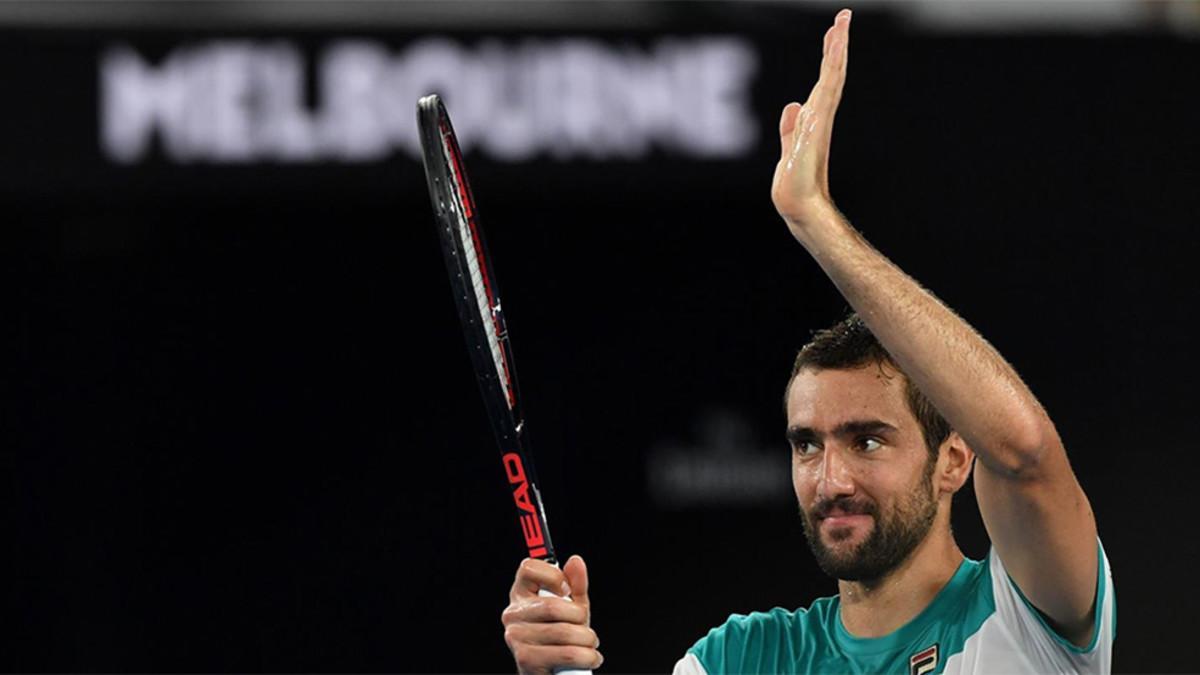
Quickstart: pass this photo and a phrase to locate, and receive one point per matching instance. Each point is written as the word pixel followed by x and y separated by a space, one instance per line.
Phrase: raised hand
pixel 800 189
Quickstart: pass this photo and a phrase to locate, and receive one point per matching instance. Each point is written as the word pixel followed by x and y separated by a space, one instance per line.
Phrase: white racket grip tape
pixel 562 671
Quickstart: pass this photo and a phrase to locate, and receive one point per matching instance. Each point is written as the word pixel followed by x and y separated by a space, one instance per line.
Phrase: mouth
pixel 840 520
pixel 844 520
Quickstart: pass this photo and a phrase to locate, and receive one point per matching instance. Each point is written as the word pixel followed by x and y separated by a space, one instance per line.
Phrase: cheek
pixel 892 490
pixel 804 480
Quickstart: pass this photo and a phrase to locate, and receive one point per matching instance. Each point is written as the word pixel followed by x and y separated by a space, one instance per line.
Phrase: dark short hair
pixel 849 344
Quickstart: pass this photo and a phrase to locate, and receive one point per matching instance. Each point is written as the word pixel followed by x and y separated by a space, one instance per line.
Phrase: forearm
pixel 977 391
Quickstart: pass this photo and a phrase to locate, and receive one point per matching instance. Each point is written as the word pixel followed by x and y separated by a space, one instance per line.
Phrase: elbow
pixel 1023 464
pixel 1027 445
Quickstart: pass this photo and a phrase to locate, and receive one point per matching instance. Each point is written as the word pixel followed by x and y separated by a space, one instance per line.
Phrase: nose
pixel 836 478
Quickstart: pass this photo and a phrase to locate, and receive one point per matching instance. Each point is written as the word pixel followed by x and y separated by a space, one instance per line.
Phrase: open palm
pixel 800 188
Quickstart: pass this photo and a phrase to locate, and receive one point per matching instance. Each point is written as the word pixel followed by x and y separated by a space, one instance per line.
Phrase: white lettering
pixel 241 101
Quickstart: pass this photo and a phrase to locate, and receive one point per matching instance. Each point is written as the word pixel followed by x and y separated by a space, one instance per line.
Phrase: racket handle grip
pixel 563 671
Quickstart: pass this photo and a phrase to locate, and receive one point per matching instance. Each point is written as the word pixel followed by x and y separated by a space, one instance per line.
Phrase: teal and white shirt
pixel 979 623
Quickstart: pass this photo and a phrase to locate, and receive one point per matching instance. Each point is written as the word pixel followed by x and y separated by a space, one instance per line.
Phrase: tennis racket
pixel 478 301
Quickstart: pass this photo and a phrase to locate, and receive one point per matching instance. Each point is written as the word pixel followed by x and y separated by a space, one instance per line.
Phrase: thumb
pixel 577 576
pixel 787 124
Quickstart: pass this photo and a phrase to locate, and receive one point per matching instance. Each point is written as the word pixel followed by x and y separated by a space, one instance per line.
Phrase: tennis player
pixel 888 412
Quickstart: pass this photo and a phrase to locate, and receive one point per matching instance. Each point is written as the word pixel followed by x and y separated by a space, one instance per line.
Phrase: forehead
pixel 822 399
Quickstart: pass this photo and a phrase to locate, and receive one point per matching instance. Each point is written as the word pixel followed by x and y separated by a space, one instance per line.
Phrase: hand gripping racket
pixel 478 302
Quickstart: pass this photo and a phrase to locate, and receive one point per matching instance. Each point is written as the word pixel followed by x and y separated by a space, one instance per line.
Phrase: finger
pixel 545 610
pixel 787 124
pixel 540 658
pixel 828 38
pixel 840 54
pixel 577 578
pixel 561 634
pixel 828 90
pixel 534 575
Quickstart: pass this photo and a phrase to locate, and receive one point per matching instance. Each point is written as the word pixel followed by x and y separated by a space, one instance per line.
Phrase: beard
pixel 891 540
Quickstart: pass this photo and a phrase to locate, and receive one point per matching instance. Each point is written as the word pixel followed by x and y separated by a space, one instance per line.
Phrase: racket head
pixel 477 298
pixel 474 284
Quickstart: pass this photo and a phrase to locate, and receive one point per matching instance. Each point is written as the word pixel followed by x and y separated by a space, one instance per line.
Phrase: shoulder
pixel 1016 608
pixel 764 640
pixel 1015 635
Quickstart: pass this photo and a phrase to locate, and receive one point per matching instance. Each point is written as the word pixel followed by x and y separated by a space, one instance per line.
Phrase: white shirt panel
pixel 1015 640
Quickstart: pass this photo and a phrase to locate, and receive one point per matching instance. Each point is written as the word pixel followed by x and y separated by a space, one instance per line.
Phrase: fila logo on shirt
pixel 924 661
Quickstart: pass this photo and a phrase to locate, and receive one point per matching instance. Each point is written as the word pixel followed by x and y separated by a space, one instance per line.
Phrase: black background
pixel 245 434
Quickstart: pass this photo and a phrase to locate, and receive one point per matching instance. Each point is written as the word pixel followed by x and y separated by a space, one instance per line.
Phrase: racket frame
pixel 477 298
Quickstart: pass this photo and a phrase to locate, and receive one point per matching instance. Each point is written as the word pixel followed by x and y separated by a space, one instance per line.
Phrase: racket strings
pixel 476 269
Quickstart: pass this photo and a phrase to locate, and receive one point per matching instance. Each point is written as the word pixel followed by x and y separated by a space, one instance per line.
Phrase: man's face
pixel 861 470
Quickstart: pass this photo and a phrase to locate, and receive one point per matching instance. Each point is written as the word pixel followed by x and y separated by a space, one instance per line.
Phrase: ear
pixel 955 459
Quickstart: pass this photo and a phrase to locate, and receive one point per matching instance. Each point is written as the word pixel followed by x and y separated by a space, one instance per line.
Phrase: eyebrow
pixel 797 434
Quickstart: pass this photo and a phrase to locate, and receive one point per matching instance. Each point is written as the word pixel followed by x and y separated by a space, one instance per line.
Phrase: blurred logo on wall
pixel 724 465
pixel 238 101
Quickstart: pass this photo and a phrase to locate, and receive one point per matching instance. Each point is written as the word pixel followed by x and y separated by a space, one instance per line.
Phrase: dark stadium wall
pixel 246 435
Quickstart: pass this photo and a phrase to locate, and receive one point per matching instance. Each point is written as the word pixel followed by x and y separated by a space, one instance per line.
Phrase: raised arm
pixel 1036 514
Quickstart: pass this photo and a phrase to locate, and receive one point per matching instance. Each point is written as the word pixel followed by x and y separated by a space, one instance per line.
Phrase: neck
pixel 876 607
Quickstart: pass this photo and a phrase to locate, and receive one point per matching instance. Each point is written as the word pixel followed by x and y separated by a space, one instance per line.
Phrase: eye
pixel 805 448
pixel 869 444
